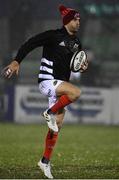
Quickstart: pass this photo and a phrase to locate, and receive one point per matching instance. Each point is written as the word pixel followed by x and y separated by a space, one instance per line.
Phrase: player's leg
pixel 52 136
pixel 48 88
pixel 50 142
pixel 60 118
pixel 68 93
pixel 65 88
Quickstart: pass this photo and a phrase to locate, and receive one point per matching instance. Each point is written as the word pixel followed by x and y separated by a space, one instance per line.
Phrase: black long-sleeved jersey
pixel 58 49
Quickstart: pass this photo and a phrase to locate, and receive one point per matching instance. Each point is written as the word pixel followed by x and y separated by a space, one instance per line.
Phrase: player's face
pixel 74 25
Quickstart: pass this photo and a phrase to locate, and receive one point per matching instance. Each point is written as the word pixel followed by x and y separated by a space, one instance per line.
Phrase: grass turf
pixel 82 152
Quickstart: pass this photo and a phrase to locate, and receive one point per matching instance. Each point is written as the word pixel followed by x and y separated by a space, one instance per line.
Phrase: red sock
pixel 50 142
pixel 61 103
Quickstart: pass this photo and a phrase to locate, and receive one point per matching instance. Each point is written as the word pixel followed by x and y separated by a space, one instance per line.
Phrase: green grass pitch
pixel 82 152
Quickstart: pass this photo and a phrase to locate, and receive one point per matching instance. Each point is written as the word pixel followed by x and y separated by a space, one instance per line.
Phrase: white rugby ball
pixel 77 60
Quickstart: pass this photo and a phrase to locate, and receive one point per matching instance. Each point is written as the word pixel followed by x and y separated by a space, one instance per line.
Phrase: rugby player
pixel 58 48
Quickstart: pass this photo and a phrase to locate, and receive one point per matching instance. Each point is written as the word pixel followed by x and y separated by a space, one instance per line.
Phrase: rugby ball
pixel 77 60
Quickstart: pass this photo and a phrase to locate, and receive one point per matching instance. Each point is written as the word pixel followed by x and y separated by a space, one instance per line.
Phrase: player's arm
pixel 32 43
pixel 12 68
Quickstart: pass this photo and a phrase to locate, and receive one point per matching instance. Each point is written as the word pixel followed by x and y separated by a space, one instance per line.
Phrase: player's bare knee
pixel 75 94
pixel 78 93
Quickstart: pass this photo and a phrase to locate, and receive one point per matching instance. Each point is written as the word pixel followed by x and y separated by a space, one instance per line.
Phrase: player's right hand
pixel 12 68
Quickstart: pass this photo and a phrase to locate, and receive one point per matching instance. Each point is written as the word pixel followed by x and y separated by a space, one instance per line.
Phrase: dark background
pixel 99 33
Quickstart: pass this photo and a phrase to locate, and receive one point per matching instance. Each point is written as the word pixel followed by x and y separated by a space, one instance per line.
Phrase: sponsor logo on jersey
pixel 76 47
pixel 62 43
pixel 49 92
pixel 54 82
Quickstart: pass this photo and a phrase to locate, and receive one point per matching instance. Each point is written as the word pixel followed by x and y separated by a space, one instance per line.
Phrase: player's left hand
pixel 84 66
pixel 12 68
